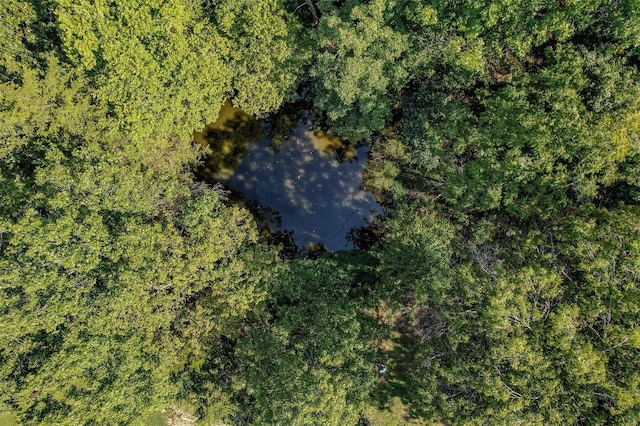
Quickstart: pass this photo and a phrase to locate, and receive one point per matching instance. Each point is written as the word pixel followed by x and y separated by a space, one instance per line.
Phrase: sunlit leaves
pixel 549 138
pixel 114 277
pixel 267 52
pixel 157 64
pixel 357 67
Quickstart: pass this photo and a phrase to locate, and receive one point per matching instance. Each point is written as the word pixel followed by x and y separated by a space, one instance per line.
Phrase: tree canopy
pixel 501 286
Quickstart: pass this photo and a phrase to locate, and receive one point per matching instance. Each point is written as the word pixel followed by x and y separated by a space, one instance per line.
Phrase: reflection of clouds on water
pixel 318 197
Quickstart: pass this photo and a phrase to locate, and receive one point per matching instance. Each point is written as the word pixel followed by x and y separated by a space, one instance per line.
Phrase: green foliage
pixel 266 55
pixel 314 362
pixel 115 279
pixel 16 18
pixel 538 145
pixel 517 308
pixel 357 66
pixel 541 332
pixel 603 249
pixel 618 24
pixel 381 173
pixel 158 66
pixel 119 295
pixel 510 158
pixel 510 27
pixel 415 254
pixel 120 311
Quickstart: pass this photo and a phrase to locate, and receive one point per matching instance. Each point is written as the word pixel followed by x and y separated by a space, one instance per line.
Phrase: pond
pixel 301 182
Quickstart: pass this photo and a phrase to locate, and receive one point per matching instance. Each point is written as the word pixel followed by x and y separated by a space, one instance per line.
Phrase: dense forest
pixel 502 287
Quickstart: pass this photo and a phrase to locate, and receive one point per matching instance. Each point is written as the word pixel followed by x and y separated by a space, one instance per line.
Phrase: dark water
pixel 308 181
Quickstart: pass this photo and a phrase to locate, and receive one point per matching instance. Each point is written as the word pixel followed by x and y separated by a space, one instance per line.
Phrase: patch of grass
pixel 395 414
pixel 394 398
pixel 8 419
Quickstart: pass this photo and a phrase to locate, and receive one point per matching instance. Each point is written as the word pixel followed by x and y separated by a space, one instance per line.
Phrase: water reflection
pixel 227 139
pixel 311 179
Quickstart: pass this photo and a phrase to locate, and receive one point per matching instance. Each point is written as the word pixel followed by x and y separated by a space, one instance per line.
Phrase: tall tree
pixel 533 326
pixel 314 362
pixel 358 65
pixel 115 279
pixel 157 65
pixel 267 52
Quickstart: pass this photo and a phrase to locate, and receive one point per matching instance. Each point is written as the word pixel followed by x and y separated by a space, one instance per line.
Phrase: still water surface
pixel 310 181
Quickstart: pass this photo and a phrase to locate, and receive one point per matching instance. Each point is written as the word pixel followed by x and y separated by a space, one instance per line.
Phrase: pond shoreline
pixel 303 186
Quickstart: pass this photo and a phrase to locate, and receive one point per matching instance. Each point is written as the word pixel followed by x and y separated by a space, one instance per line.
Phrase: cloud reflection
pixel 313 180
